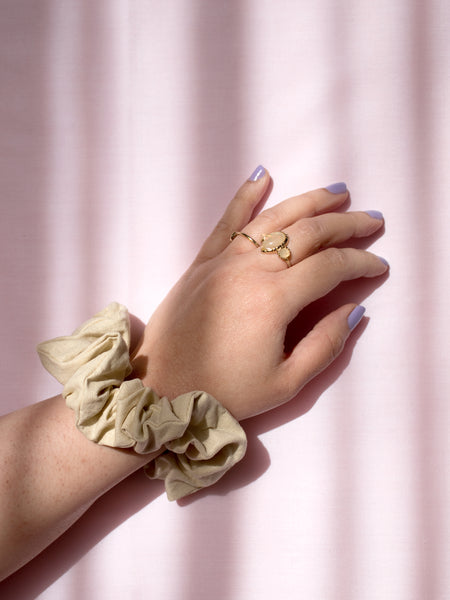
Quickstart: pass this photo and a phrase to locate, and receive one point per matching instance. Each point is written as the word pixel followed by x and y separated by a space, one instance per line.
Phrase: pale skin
pixel 221 329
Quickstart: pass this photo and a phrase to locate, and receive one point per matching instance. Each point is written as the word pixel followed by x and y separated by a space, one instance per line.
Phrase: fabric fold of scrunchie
pixel 200 438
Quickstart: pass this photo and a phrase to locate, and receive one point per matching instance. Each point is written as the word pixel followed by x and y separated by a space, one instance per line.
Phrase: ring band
pixel 276 241
pixel 236 233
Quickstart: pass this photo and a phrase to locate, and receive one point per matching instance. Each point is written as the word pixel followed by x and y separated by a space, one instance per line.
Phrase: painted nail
pixel 337 188
pixel 355 317
pixel 257 173
pixel 375 214
pixel 384 261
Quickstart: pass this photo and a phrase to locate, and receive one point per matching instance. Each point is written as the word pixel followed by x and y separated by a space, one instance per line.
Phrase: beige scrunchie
pixel 202 440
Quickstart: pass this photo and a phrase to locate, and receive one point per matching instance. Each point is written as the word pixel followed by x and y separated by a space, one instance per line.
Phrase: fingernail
pixel 337 188
pixel 355 317
pixel 257 173
pixel 375 214
pixel 384 261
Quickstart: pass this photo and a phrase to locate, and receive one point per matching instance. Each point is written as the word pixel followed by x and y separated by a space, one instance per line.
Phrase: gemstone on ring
pixel 272 242
pixel 277 242
pixel 284 253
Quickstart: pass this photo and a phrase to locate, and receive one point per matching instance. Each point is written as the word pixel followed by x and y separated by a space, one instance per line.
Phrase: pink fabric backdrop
pixel 126 125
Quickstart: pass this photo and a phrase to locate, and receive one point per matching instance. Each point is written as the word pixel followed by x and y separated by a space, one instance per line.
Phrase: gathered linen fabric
pixel 200 438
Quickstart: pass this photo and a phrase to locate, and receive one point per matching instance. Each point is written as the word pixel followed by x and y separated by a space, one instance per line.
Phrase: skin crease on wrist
pixel 221 329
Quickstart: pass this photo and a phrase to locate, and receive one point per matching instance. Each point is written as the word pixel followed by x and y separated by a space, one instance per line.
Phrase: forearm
pixel 50 476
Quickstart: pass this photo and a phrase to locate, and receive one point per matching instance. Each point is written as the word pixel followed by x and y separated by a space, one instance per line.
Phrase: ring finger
pixel 309 235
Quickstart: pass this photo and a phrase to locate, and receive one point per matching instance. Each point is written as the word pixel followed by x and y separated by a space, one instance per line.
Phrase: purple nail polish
pixel 375 214
pixel 384 261
pixel 355 317
pixel 257 173
pixel 337 188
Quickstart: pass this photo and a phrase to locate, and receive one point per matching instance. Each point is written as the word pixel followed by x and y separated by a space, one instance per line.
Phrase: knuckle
pixel 269 217
pixel 310 203
pixel 274 216
pixel 313 231
pixel 336 257
pixel 222 227
pixel 334 343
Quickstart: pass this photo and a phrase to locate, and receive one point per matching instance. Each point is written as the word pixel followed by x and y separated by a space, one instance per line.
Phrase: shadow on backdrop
pixel 217 70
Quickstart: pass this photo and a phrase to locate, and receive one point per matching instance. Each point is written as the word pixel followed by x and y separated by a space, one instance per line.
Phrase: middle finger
pixel 310 235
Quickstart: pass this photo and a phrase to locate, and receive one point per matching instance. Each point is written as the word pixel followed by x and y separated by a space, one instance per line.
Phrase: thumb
pixel 322 345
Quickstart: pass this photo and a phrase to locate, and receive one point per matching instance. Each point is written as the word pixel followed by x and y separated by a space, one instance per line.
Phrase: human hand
pixel 222 327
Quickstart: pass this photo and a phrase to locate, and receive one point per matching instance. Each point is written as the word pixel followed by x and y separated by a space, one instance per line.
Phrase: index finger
pixel 237 214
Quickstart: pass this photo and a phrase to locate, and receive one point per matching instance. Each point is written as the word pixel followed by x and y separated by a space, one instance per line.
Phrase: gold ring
pixel 236 233
pixel 276 241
